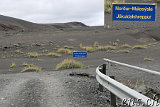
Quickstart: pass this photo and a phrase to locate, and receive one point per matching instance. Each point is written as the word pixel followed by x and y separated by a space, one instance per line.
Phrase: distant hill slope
pixel 9 23
pixel 69 25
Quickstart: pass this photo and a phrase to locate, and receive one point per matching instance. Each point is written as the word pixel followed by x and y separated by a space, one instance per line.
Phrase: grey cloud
pixel 89 12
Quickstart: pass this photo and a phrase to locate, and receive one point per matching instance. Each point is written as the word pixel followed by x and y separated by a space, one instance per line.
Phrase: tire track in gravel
pixel 8 93
pixel 30 95
pixel 4 83
pixel 32 90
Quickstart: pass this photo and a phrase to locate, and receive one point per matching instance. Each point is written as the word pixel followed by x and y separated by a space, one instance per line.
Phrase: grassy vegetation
pixel 18 51
pixel 53 54
pixel 108 5
pixel 139 47
pixel 106 48
pixel 148 59
pixel 89 49
pixel 96 44
pixel 40 60
pixel 68 64
pixel 31 69
pixel 13 65
pixel 68 47
pixel 81 46
pixel 33 54
pixel 158 1
pixel 126 46
pixel 117 40
pixel 138 83
pixel 115 44
pixel 66 51
pixel 26 64
pixel 151 44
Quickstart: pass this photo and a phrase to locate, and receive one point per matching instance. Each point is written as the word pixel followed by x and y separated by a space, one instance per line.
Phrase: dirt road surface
pixel 50 89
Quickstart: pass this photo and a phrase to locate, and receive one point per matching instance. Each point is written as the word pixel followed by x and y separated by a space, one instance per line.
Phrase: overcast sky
pixel 89 12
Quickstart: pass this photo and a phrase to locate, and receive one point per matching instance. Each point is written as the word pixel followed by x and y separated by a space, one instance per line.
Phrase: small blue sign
pixel 134 12
pixel 80 54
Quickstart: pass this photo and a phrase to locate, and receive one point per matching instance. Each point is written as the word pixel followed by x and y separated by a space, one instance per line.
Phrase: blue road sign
pixel 134 12
pixel 80 54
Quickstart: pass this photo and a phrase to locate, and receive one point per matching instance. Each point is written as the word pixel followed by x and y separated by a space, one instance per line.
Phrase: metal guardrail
pixel 128 96
pixel 133 67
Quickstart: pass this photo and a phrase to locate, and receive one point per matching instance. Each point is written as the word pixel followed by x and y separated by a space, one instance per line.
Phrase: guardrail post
pixel 113 97
pixel 104 72
pixel 108 68
pixel 104 69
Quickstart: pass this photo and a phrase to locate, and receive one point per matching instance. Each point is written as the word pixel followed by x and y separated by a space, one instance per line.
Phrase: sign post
pixel 134 12
pixel 79 55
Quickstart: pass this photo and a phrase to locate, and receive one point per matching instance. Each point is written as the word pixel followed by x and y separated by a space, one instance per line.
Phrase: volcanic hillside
pixel 13 24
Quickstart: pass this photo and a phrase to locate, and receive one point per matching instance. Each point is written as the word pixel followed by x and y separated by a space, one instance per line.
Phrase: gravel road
pixel 50 89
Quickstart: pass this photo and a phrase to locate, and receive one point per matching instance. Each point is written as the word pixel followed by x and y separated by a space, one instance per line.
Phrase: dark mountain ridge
pixel 14 24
